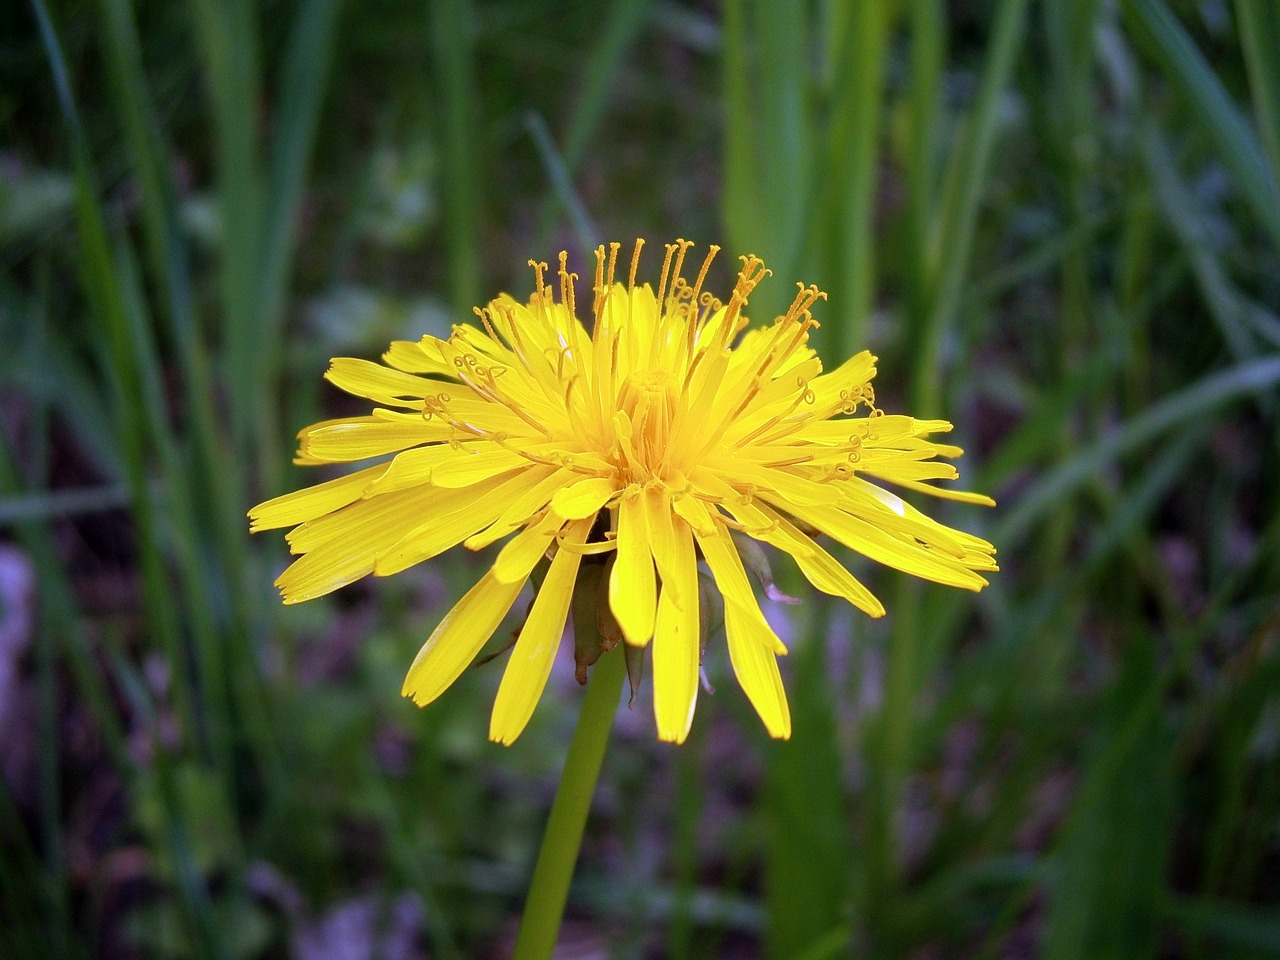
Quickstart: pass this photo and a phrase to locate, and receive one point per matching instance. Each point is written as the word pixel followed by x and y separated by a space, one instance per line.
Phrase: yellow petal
pixel 692 511
pixel 357 438
pixel 380 384
pixel 874 542
pixel 456 515
pixel 829 388
pixel 819 567
pixel 410 468
pixel 341 547
pixel 584 498
pixel 543 482
pixel 470 467
pixel 963 496
pixel 661 527
pixel 843 430
pixel 494 418
pixel 751 651
pixel 676 642
pixel 731 579
pixel 418 357
pixel 632 584
pixel 311 502
pixel 789 486
pixel 869 502
pixel 522 552
pixel 530 663
pixel 456 641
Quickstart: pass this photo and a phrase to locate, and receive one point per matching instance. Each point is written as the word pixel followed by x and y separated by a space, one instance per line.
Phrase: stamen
pixel 702 274
pixel 753 271
pixel 662 283
pixel 758 431
pixel 487 325
pixel 635 264
pixel 790 463
pixel 599 288
pixel 682 248
pixel 710 304
pixel 806 298
pixel 613 260
pixel 539 266
pixel 566 284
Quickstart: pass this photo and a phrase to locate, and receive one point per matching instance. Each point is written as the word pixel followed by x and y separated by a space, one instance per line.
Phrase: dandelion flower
pixel 665 433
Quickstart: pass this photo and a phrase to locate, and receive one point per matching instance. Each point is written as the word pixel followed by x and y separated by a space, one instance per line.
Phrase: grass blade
pixel 1254 376
pixel 1237 145
pixel 1259 24
pixel 453 47
pixel 299 96
pixel 966 181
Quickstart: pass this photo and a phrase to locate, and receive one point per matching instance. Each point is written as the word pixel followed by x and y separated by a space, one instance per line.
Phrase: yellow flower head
pixel 656 436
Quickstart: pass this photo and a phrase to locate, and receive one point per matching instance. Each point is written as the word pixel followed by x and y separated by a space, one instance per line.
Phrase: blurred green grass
pixel 1058 225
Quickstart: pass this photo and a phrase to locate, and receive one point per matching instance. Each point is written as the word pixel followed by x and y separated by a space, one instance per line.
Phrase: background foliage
pixel 1057 224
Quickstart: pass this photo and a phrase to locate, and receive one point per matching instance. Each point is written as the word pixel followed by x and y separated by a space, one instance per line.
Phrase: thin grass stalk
pixel 1241 323
pixel 453 51
pixel 49 754
pixel 853 156
pixel 106 303
pixel 32 920
pixel 588 236
pixel 110 284
pixel 1208 393
pixel 1258 22
pixel 624 23
pixel 227 37
pixel 785 132
pixel 187 483
pixel 168 258
pixel 739 211
pixel 927 53
pixel 212 710
pixel 1069 116
pixel 1134 272
pixel 966 181
pixel 894 738
pixel 212 579
pixel 684 843
pixel 1229 131
pixel 300 92
pixel 808 871
pixel 770 136
pixel 204 927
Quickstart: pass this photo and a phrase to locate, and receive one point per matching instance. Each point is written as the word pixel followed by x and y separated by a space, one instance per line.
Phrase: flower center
pixel 648 400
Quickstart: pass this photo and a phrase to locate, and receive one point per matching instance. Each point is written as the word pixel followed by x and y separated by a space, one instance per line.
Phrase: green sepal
pixel 757 563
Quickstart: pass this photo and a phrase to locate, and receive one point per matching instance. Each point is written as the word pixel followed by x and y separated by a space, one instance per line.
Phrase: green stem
pixel 549 889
